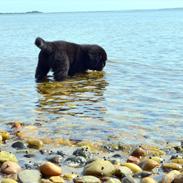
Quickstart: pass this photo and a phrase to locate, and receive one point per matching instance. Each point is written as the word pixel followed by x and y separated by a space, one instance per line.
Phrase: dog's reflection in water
pixel 78 95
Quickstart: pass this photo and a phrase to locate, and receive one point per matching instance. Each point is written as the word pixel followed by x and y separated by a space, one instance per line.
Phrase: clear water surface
pixel 139 96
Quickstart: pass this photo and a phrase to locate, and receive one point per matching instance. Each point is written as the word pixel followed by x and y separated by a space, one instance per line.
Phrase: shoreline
pixel 84 161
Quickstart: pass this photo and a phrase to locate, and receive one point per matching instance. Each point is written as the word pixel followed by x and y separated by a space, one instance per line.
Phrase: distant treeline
pixel 29 12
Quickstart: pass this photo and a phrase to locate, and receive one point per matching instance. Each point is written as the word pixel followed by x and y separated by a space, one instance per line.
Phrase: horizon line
pixel 91 11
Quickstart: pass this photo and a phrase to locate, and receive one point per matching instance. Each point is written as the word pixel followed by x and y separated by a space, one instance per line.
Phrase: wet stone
pixel 56 179
pixel 35 143
pixel 60 153
pixel 87 179
pixel 100 168
pixel 110 180
pixel 7 180
pixel 149 164
pixel 143 174
pixel 83 152
pixel 108 148
pixel 10 167
pixel 138 152
pixel 116 156
pixel 128 179
pixel 123 171
pixel 19 145
pixel 31 165
pixel 55 159
pixel 29 176
pixel 148 180
pixel 69 176
pixel 50 169
pixel 178 179
pixel 29 155
pixel 172 166
pixel 7 156
pixel 75 161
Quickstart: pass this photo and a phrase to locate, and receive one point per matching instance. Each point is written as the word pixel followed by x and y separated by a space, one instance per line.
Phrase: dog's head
pixel 96 57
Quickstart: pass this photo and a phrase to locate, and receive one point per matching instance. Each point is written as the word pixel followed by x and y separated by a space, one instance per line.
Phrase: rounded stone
pixel 29 176
pixel 45 181
pixel 123 171
pixel 75 161
pixel 82 152
pixel 133 159
pixel 169 177
pixel 99 167
pixel 50 169
pixel 172 166
pixel 87 179
pixel 149 164
pixel 7 180
pixel 56 179
pixel 134 168
pixel 138 152
pixel 35 143
pixel 7 156
pixel 177 160
pixel 128 179
pixel 110 180
pixel 55 159
pixel 18 145
pixel 10 167
pixel 148 180
pixel 69 176
pixel 178 179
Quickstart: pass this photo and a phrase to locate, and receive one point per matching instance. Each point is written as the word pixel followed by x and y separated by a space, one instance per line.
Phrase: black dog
pixel 66 59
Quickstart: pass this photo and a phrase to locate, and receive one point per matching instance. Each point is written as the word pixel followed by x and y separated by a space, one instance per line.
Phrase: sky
pixel 84 5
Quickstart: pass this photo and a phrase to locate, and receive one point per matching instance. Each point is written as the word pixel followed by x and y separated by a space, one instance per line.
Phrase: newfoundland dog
pixel 67 59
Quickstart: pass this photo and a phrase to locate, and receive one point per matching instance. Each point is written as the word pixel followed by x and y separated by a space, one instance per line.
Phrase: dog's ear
pixel 43 45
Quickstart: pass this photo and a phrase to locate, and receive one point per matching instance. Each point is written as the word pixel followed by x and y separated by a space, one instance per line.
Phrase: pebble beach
pixel 26 159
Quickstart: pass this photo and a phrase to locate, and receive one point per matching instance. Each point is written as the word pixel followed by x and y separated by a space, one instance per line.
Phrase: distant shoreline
pixel 135 10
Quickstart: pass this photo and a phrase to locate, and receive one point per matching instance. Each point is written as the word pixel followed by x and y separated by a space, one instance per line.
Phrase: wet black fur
pixel 67 59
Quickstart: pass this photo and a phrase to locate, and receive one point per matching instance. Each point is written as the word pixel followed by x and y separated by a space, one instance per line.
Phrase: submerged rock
pixel 83 152
pixel 55 159
pixel 75 161
pixel 18 145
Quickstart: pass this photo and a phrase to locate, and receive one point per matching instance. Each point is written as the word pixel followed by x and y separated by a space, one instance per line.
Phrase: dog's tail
pixel 43 45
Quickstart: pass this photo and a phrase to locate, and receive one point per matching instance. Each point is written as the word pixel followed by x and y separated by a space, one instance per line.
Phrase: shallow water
pixel 138 96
